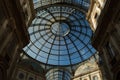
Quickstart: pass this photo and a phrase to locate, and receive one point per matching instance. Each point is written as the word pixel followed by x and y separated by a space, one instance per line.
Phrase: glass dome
pixel 80 3
pixel 60 35
pixel 58 74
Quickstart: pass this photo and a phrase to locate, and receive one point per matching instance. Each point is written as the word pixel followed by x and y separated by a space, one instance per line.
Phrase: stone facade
pixel 94 12
pixel 106 39
pixel 88 70
pixel 13 34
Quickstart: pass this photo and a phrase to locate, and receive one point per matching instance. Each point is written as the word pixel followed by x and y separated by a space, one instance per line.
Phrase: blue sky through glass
pixel 83 3
pixel 60 35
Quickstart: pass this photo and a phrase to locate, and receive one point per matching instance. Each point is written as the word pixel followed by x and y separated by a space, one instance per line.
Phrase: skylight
pixel 80 3
pixel 60 35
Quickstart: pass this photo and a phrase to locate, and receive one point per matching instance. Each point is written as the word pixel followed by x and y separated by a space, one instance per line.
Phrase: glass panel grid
pixel 64 40
pixel 80 3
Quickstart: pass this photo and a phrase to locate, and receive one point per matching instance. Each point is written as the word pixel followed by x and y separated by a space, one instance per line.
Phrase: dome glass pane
pixel 60 35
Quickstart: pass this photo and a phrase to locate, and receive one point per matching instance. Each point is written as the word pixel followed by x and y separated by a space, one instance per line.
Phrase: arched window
pixel 95 77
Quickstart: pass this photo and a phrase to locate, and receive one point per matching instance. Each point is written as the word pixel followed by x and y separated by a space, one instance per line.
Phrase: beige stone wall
pixel 88 70
pixel 94 12
pixel 26 74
